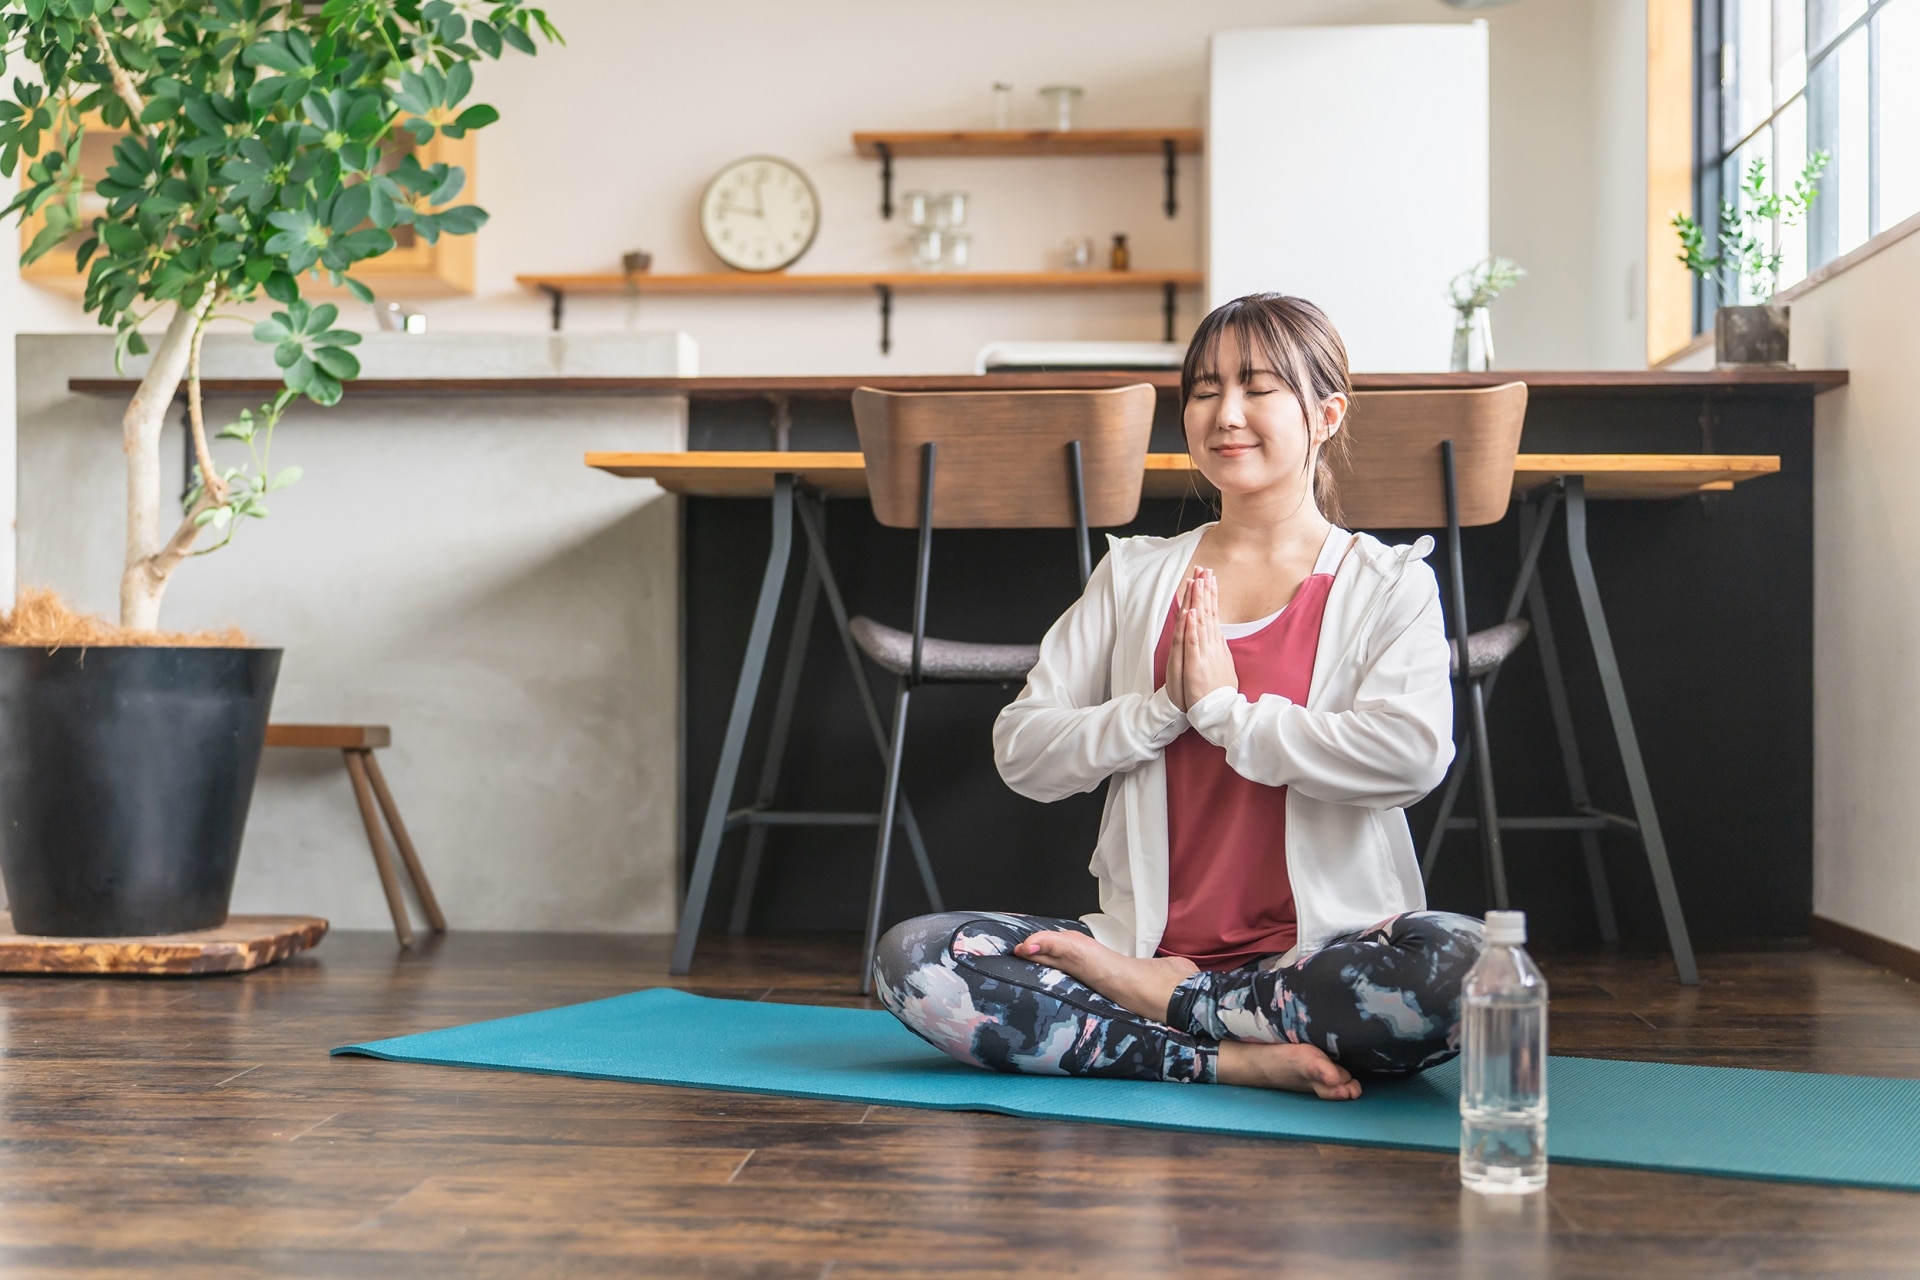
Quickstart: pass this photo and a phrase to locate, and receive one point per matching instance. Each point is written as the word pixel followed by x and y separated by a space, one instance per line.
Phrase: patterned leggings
pixel 1382 1002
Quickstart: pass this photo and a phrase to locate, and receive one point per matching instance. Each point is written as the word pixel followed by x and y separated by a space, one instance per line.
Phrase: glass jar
pixel 929 248
pixel 916 207
pixel 959 255
pixel 949 209
pixel 1079 253
pixel 1002 105
pixel 1061 97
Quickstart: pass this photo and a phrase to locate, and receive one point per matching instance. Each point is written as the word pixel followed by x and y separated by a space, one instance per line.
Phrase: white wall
pixel 1288 107
pixel 604 146
pixel 1866 592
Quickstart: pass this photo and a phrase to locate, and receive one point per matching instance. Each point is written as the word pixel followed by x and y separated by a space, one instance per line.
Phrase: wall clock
pixel 759 214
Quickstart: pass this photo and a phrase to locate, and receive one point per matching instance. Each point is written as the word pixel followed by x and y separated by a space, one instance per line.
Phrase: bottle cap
pixel 1506 928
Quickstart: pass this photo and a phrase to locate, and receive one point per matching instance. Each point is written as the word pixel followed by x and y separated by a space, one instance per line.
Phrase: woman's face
pixel 1249 436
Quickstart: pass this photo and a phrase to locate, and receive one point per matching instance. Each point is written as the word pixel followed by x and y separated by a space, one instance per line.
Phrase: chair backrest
pixel 1003 456
pixel 1391 477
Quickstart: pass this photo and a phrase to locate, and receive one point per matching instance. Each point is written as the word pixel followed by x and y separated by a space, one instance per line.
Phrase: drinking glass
pixel 1062 97
pixel 949 209
pixel 916 207
pixel 929 247
pixel 959 250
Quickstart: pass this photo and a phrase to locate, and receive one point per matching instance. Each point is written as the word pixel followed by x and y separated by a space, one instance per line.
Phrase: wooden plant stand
pixel 242 943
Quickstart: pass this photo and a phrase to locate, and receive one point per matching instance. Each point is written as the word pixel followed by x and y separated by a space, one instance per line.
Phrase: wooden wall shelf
pixel 883 284
pixel 1028 142
pixel 1170 144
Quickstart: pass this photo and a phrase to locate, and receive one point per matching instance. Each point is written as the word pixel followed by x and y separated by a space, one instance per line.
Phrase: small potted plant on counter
pixel 1470 294
pixel 263 148
pixel 1748 328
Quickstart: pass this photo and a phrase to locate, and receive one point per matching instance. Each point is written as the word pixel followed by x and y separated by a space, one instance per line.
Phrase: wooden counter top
pixel 1540 383
pixel 744 473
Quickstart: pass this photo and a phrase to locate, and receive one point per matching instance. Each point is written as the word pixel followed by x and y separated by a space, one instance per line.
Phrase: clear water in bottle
pixel 1503 1065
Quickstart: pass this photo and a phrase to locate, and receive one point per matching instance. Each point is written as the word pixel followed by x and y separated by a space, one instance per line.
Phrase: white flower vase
pixel 1472 341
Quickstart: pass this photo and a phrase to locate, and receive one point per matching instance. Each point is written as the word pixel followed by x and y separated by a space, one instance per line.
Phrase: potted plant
pixel 1747 327
pixel 266 150
pixel 1470 294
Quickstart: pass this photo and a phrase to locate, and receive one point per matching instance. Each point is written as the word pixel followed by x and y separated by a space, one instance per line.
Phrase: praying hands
pixel 1198 661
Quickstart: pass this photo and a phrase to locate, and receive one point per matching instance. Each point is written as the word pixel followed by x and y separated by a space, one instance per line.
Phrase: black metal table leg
pixel 1562 713
pixel 1616 695
pixel 812 519
pixel 777 736
pixel 745 694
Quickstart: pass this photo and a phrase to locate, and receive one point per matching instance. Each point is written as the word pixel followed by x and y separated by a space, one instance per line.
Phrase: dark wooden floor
pixel 197 1127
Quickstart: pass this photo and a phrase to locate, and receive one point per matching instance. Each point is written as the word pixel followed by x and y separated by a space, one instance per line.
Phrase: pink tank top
pixel 1228 897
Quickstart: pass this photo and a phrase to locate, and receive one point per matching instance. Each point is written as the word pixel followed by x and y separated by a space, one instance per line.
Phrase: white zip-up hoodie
pixel 1375 735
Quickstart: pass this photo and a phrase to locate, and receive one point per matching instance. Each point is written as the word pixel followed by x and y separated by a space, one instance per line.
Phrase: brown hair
pixel 1296 340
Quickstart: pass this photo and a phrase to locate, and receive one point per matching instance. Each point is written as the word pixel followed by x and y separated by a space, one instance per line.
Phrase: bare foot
pixel 1139 986
pixel 1298 1068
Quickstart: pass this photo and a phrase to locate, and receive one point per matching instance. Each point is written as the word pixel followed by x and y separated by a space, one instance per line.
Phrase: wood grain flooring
pixel 174 1127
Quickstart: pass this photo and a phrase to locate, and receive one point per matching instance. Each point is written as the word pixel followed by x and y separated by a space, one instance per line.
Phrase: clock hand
pixel 726 207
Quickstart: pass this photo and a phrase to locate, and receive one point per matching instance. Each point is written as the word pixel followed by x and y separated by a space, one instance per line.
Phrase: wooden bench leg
pixel 408 855
pixel 382 860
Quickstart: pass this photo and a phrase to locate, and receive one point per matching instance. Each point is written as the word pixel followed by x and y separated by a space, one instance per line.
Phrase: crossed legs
pixel 1030 994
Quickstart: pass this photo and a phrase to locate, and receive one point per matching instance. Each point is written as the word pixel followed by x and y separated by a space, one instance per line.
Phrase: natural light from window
pixel 1798 77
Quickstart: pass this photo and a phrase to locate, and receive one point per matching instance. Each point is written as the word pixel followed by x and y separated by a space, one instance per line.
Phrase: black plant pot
pixel 125 776
pixel 1751 334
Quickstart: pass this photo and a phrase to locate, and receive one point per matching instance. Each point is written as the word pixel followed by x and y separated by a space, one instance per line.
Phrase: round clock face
pixel 759 214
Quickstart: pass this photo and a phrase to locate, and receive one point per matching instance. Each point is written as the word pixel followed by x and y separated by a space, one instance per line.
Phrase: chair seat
pixel 1487 649
pixel 954 660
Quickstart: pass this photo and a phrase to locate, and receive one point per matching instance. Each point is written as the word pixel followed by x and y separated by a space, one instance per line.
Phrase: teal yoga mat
pixel 1789 1126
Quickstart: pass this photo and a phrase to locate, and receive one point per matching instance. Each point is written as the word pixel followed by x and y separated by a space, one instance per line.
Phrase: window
pixel 1781 80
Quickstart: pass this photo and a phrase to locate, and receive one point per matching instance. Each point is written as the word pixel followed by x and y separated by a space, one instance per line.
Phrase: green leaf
pixel 287 476
pixel 459 84
pixel 337 361
pixel 487 38
pixel 350 207
pixel 517 38
pixel 477 116
pixel 282 287
pixel 462 220
pixel 359 291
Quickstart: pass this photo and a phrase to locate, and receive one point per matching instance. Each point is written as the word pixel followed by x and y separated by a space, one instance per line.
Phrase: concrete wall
pixel 446 566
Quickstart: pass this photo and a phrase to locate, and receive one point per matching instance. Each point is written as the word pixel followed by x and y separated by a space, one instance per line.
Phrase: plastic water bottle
pixel 1503 1065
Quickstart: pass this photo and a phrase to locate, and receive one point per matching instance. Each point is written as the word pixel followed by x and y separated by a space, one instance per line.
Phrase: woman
pixel 1266 694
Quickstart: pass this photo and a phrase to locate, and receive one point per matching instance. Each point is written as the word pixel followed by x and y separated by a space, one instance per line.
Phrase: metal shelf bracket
pixel 886 317
pixel 1167 298
pixel 886 185
pixel 1173 176
pixel 559 309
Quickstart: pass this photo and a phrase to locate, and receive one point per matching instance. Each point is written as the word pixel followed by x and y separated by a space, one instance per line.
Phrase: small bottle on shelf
pixel 1118 257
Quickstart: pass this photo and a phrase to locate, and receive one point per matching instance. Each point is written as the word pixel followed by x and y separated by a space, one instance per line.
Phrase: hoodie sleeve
pixel 1067 733
pixel 1389 750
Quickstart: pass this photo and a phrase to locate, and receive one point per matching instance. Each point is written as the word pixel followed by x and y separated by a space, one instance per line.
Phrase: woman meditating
pixel 1266 694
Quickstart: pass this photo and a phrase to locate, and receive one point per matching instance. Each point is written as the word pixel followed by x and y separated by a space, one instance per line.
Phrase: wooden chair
pixel 984 460
pixel 358 742
pixel 1445 459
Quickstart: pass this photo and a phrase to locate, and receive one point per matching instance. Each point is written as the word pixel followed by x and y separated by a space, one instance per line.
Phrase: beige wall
pixel 1866 633
pixel 604 146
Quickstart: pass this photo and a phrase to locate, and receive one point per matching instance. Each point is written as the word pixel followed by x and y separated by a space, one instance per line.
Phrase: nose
pixel 1233 408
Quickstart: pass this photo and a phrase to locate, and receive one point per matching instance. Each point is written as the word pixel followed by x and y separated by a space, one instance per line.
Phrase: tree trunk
pixel 141 586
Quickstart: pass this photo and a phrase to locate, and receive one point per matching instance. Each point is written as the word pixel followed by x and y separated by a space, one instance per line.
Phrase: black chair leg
pixel 1456 774
pixel 1496 864
pixel 889 804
